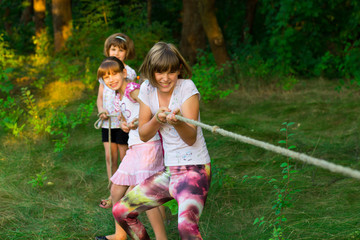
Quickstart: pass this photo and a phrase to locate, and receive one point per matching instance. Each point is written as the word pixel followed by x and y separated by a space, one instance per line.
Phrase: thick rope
pixel 289 153
pixel 98 124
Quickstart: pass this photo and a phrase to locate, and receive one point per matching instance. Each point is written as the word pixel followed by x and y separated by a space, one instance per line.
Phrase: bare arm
pixel 189 109
pixel 99 102
pixel 148 125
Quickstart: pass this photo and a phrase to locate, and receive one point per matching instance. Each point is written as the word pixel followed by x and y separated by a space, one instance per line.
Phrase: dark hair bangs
pixel 167 61
pixel 107 67
pixel 118 43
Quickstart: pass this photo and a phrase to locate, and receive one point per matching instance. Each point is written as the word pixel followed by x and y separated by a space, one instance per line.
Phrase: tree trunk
pixel 39 13
pixel 62 22
pixel 192 34
pixel 26 15
pixel 249 18
pixel 213 31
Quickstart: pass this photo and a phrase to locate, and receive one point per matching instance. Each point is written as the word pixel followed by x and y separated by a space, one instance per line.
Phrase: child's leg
pixel 156 220
pixel 110 169
pixel 151 193
pixel 117 192
pixel 189 186
pixel 157 223
pixel 122 150
pixel 114 158
pixel 162 212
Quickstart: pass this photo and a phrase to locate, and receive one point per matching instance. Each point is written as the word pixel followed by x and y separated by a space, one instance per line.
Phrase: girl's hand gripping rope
pixel 134 124
pixel 171 118
pixel 124 126
pixel 160 115
pixel 103 115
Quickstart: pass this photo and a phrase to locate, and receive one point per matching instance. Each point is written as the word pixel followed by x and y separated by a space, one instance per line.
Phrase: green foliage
pixel 93 24
pixel 168 14
pixel 39 122
pixel 62 123
pixel 207 78
pixel 350 67
pixel 43 46
pixel 133 21
pixel 6 85
pixel 283 190
pixel 354 235
pixel 10 113
pixel 64 71
pixel 7 64
pixel 38 180
pixel 295 38
pixel 16 31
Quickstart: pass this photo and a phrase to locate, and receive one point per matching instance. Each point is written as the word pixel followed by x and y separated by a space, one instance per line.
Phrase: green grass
pixel 327 207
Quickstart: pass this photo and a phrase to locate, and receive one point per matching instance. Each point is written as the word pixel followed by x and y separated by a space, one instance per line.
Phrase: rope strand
pixel 289 153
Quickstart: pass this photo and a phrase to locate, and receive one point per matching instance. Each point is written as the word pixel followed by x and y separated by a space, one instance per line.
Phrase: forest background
pixel 285 72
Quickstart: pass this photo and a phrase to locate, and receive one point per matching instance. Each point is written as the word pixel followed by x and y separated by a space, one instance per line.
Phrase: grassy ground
pixel 327 207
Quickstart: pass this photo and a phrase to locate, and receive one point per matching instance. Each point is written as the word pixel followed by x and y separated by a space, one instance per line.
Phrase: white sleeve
pixel 131 74
pixel 144 93
pixel 189 89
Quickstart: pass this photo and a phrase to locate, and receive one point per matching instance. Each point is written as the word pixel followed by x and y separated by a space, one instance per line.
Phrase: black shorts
pixel 117 136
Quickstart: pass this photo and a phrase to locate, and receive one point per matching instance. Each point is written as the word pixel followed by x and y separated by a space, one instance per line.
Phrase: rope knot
pixel 214 128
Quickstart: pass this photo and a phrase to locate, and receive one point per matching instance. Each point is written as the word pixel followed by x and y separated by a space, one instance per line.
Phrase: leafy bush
pixel 207 78
pixel 33 122
pixel 10 114
pixel 62 123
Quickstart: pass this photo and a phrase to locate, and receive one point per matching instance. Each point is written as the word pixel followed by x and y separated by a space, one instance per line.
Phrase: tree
pixel 192 34
pixel 62 22
pixel 213 31
pixel 249 18
pixel 39 16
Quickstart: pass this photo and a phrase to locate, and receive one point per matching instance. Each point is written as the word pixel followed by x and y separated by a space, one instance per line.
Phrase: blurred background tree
pixel 312 38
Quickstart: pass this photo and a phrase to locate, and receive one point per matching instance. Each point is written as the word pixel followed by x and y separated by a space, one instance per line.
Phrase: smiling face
pixel 166 81
pixel 117 52
pixel 114 80
pixel 113 73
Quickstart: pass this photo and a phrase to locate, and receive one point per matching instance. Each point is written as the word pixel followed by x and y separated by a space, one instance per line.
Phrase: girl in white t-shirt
pixel 186 177
pixel 142 159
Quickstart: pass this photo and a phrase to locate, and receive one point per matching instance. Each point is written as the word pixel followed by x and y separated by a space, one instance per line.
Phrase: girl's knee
pixel 119 211
pixel 188 222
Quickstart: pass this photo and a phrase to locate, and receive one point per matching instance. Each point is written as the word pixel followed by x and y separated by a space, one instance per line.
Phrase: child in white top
pixel 142 159
pixel 120 46
pixel 186 177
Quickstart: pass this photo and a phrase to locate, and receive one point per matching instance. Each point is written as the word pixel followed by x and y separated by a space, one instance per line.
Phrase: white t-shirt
pixel 109 97
pixel 177 152
pixel 130 110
